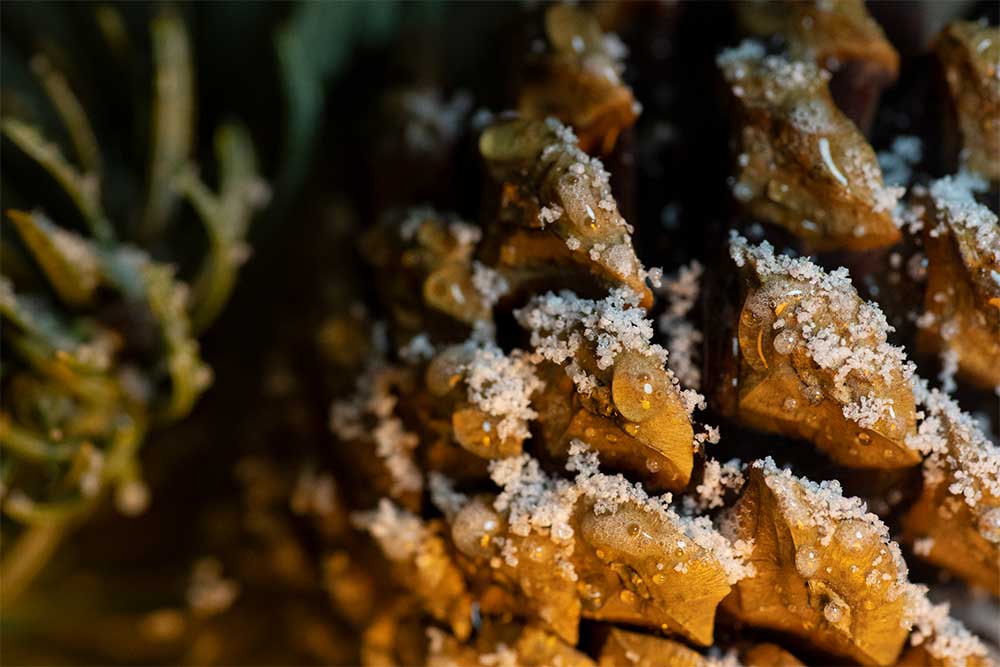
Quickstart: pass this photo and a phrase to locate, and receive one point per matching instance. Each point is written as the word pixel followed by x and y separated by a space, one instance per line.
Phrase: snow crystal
pixel 536 502
pixel 444 496
pixel 418 349
pixel 955 196
pixel 560 323
pixel 942 636
pixel 489 284
pixel 897 163
pixel 955 445
pixel 549 214
pixel 394 445
pixel 683 339
pixel 501 656
pixel 949 366
pixel 465 234
pixel 748 50
pixel 922 546
pixel 869 410
pixel 368 414
pixel 501 385
pixel 431 120
pixel 717 478
pixel 777 73
pixel 398 532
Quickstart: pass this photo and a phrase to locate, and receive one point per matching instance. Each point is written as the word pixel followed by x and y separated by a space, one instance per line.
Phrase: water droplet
pixel 633 529
pixel 784 342
pixel 989 524
pixel 833 612
pixel 853 535
pixel 473 529
pixel 658 578
pixel 628 597
pixel 592 595
pixel 562 532
pixel 807 561
pixel 790 404
pixel 813 394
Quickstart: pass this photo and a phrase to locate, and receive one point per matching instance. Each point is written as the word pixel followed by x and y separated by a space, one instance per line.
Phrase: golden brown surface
pixel 579 82
pixel 508 395
pixel 629 565
pixel 969 54
pixel 792 376
pixel 505 644
pixel 962 296
pixel 433 252
pixel 631 648
pixel 839 36
pixel 801 163
pixel 647 434
pixel 956 521
pixel 831 33
pixel 828 579
pixel 558 203
pixel 768 655
pixel 917 656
